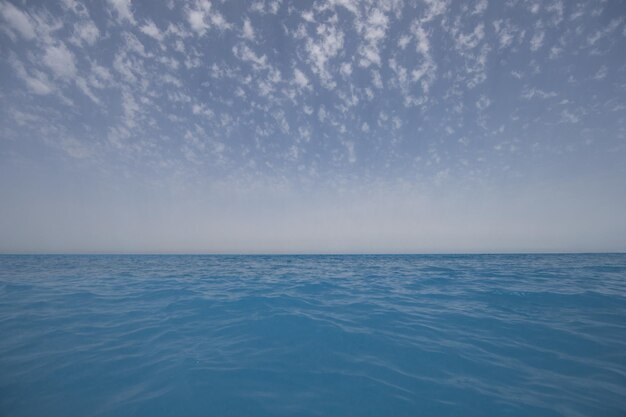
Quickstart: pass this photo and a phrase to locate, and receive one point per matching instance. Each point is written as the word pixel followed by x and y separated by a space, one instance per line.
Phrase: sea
pixel 319 335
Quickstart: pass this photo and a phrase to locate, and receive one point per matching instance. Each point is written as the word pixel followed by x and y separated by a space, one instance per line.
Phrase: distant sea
pixel 431 335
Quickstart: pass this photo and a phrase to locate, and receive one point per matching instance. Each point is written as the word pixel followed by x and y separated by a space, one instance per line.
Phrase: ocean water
pixel 469 335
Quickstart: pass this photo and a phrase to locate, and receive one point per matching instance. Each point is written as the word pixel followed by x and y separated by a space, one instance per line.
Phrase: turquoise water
pixel 487 335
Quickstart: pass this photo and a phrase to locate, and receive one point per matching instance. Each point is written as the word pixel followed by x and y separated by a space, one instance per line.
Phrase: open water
pixel 432 335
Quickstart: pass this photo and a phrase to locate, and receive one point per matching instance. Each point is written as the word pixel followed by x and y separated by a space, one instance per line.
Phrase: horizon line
pixel 308 253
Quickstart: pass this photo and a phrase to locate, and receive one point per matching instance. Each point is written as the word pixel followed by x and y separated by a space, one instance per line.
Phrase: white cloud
pixel 530 93
pixel 17 20
pixel 400 71
pixel 350 149
pixel 37 83
pixel 151 29
pixel 434 8
pixel 269 7
pixel 196 21
pixel 133 44
pixel 483 102
pixel 86 31
pixel 404 41
pixel 426 72
pixel 300 79
pixel 350 5
pixel 130 108
pixel 536 41
pixel 558 9
pixel 555 52
pixel 60 60
pixel 601 73
pixel 244 53
pixel 480 7
pixel 373 30
pixel 308 16
pixel 123 64
pixel 505 31
pixel 247 31
pixel 74 148
pixel 377 79
pixel 345 69
pixel 219 21
pixel 203 16
pixel 123 10
pixel 81 83
pixel 569 117
pixel 602 33
pixel 321 50
pixel 201 109
pixel 472 39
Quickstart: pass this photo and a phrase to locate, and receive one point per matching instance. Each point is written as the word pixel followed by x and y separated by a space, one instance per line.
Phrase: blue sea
pixel 428 335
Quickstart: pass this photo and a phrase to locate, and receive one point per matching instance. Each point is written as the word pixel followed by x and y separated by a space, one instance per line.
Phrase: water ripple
pixel 475 335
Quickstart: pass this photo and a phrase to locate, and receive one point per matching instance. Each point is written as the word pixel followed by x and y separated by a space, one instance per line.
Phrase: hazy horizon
pixel 329 126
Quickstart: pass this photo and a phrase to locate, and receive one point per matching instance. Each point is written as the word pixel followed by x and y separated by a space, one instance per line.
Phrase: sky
pixel 327 126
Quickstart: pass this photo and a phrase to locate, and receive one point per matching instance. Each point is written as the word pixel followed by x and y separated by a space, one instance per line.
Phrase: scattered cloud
pixel 60 60
pixel 300 79
pixel 151 29
pixel 536 42
pixel 321 48
pixel 17 20
pixel 247 31
pixel 123 10
pixel 294 89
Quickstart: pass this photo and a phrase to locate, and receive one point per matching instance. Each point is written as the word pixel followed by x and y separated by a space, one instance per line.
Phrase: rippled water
pixel 497 335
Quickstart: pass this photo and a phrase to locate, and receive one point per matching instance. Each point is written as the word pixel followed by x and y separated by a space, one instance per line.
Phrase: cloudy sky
pixel 312 126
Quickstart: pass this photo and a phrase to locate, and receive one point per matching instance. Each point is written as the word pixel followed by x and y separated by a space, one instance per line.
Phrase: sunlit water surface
pixel 487 335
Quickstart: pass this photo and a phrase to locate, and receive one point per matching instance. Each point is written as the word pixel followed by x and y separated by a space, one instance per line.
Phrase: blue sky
pixel 323 126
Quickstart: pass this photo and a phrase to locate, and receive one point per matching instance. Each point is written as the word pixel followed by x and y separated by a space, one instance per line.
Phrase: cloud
pixel 37 83
pixel 601 73
pixel 74 148
pixel 151 29
pixel 345 69
pixel 434 8
pixel 123 10
pixel 60 60
pixel 307 92
pixel 471 40
pixel 247 32
pixel 480 7
pixel 377 80
pixel 86 32
pixel 600 34
pixel 533 92
pixel 300 79
pixel 322 49
pixel 244 53
pixel 506 32
pixel 203 16
pixel 17 20
pixel 569 117
pixel 373 30
pixel 130 108
pixel 196 21
pixel 84 87
pixel 426 72
pixel 536 41
pixel 351 154
pixel 483 102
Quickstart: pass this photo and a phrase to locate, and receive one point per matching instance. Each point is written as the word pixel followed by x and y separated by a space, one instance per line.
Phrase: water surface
pixel 471 335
